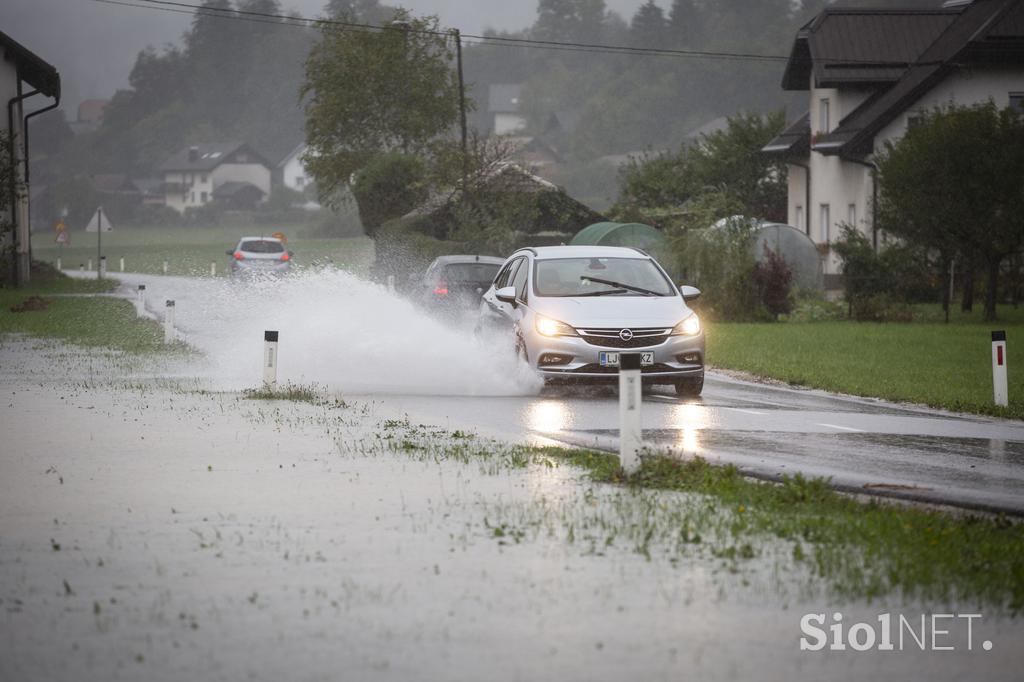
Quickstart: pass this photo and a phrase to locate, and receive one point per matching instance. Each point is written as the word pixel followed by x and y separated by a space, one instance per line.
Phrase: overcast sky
pixel 93 45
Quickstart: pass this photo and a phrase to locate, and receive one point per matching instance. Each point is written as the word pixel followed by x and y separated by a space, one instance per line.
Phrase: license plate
pixel 612 359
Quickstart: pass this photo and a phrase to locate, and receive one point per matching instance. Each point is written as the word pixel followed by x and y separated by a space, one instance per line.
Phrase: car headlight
pixel 688 327
pixel 548 327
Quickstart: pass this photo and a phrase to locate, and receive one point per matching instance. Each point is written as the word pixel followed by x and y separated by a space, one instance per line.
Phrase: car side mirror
pixel 506 295
pixel 689 293
pixel 291 253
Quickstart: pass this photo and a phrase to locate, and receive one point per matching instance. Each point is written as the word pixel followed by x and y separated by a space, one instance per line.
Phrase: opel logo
pixel 626 334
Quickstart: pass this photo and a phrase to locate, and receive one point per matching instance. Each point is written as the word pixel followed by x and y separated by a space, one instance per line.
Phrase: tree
pixel 953 183
pixel 368 93
pixel 684 22
pixel 388 187
pixel 649 27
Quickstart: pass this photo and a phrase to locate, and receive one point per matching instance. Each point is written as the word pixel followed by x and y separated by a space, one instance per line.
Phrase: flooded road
pixel 158 529
pixel 355 338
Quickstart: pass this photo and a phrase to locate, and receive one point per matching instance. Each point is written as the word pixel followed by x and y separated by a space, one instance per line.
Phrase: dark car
pixel 452 285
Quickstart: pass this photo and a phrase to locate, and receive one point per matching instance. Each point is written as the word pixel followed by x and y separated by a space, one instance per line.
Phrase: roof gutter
pixel 51 107
pixel 13 188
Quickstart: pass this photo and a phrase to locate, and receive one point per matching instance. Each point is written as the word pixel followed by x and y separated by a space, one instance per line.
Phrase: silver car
pixel 573 309
pixel 259 256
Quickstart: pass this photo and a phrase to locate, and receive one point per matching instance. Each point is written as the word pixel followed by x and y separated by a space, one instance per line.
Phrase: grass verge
pixel 944 366
pixel 189 251
pixel 81 320
pixel 851 549
pixel 863 550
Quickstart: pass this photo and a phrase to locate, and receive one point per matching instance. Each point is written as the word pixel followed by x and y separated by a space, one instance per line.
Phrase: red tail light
pixel 285 256
pixel 239 256
pixel 441 289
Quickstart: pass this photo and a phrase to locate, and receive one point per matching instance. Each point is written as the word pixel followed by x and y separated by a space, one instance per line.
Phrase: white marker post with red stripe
pixel 631 436
pixel 999 386
pixel 169 322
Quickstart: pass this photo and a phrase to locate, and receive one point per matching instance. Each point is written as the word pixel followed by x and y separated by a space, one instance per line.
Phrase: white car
pixel 573 309
pixel 259 256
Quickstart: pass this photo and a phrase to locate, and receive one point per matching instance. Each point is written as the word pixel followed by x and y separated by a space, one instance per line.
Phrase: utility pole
pixel 462 108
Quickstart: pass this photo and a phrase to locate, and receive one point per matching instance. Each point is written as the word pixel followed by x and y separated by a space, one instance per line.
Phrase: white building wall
pixel 508 124
pixel 9 90
pixel 293 174
pixel 796 210
pixel 965 87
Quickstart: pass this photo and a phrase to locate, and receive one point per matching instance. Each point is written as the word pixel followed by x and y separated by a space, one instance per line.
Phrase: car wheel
pixel 690 387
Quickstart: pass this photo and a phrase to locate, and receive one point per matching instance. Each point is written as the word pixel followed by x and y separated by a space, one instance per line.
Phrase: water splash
pixel 339 331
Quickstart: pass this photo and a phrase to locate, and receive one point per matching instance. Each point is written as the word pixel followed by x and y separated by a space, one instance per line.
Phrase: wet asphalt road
pixel 862 445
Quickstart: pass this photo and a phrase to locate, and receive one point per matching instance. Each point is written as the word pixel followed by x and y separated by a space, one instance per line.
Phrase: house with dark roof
pixel 193 176
pixel 24 76
pixel 504 103
pixel 869 74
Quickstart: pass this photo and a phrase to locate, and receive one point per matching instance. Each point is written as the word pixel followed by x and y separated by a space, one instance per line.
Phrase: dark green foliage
pixel 373 92
pixel 388 187
pixel 729 160
pixel 880 284
pixel 952 184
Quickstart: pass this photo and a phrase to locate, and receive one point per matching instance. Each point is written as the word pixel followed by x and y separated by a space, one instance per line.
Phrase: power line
pixel 503 41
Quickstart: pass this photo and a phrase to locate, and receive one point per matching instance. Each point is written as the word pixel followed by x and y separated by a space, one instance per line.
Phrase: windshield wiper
pixel 620 285
pixel 606 292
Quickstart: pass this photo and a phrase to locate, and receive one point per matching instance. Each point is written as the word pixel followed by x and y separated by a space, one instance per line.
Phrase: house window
pixel 202 178
pixel 300 182
pixel 1017 101
pixel 823 115
pixel 826 223
pixel 203 198
pixel 192 198
pixel 798 218
pixel 851 215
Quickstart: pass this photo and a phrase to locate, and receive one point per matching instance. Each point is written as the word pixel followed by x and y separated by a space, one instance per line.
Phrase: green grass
pixel 863 550
pixel 945 366
pixel 99 321
pixel 189 251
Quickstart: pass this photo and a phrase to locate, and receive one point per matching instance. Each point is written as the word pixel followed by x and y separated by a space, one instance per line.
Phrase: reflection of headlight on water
pixel 689 420
pixel 547 416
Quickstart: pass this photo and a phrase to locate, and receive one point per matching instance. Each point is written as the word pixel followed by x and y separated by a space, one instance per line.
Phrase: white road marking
pixel 740 409
pixel 837 426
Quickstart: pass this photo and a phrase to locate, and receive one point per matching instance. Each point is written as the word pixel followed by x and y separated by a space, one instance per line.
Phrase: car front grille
pixel 643 337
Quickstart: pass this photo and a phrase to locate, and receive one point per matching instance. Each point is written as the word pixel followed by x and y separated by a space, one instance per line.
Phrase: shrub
pixel 774 280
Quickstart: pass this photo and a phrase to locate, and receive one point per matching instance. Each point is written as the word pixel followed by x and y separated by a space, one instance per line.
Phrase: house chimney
pixel 193 153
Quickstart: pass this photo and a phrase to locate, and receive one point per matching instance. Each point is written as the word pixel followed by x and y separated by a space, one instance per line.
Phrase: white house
pixel 292 171
pixel 23 76
pixel 504 103
pixel 231 173
pixel 868 74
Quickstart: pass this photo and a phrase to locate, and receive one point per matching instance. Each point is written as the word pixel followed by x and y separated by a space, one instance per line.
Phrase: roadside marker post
pixel 270 360
pixel 103 267
pixel 213 268
pixel 89 267
pixel 122 264
pixel 165 267
pixel 631 435
pixel 169 322
pixel 60 266
pixel 999 386
pixel 140 304
pixel 391 284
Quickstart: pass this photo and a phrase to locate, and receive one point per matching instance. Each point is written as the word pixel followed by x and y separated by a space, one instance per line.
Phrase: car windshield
pixel 600 276
pixel 470 273
pixel 261 246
